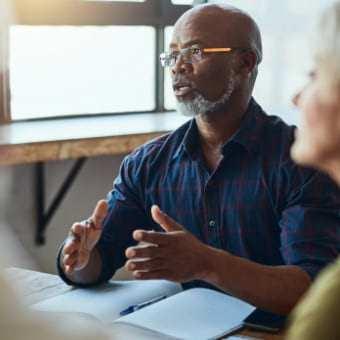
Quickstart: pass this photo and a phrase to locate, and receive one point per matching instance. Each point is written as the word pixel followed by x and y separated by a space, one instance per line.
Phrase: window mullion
pixel 159 85
pixel 5 115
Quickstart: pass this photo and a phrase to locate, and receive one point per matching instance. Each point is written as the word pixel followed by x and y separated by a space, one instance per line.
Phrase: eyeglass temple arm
pixel 217 49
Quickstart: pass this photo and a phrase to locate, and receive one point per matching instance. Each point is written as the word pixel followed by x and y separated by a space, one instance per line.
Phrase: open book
pixel 197 313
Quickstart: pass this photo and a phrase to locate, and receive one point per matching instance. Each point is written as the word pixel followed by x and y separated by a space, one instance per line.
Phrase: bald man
pixel 218 202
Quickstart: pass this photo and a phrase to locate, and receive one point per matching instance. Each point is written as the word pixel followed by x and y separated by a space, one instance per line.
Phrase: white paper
pixel 193 314
pixel 107 301
pixel 197 313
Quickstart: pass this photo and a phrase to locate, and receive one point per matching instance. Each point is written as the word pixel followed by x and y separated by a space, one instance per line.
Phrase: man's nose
pixel 181 66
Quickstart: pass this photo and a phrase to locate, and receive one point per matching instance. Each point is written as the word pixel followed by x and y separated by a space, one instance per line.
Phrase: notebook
pixel 197 313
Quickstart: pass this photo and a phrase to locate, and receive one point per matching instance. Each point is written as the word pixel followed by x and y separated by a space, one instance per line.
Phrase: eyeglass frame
pixel 203 50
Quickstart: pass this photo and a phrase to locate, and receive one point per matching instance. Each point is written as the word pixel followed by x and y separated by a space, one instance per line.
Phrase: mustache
pixel 182 81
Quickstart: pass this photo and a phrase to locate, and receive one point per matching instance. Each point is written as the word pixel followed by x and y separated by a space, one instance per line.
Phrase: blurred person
pixel 245 218
pixel 16 321
pixel 318 145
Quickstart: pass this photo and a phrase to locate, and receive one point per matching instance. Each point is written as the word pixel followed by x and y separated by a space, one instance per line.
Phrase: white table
pixel 35 286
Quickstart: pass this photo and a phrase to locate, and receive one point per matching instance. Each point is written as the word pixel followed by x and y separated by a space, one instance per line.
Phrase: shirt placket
pixel 211 213
pixel 210 207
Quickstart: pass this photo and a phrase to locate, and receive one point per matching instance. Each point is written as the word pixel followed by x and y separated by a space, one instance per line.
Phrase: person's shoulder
pixel 274 135
pixel 277 138
pixel 287 180
pixel 273 125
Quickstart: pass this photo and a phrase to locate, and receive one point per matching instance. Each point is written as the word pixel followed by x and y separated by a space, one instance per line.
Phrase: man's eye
pixel 195 50
pixel 174 55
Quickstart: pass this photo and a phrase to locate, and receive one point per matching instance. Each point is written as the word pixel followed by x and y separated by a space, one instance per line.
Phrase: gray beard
pixel 202 106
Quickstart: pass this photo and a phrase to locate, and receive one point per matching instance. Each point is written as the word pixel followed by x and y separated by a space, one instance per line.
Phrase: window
pixel 285 28
pixel 68 70
pixel 71 57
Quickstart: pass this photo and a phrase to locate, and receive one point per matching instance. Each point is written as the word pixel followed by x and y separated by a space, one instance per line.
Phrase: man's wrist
pixel 207 261
pixel 211 264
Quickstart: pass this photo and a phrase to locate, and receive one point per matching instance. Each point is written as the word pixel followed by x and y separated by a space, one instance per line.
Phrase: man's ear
pixel 248 62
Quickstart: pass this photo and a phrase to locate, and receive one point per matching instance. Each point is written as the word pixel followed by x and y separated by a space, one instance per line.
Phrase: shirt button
pixel 212 223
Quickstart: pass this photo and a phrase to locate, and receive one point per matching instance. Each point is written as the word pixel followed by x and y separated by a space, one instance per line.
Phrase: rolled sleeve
pixel 310 225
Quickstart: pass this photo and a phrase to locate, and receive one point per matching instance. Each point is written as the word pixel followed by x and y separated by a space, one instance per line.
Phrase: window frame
pixel 155 13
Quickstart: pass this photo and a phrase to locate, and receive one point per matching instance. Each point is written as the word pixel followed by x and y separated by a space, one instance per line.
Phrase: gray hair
pixel 327 47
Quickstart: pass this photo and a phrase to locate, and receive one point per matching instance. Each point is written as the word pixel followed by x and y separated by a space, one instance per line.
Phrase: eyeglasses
pixel 191 55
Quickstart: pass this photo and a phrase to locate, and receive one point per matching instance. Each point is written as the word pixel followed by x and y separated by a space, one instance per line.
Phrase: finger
pixel 152 275
pixel 99 214
pixel 78 237
pixel 153 237
pixel 77 230
pixel 69 269
pixel 165 221
pixel 70 260
pixel 143 251
pixel 145 265
pixel 71 246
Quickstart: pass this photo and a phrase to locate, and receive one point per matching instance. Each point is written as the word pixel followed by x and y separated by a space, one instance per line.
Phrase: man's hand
pixel 82 239
pixel 175 255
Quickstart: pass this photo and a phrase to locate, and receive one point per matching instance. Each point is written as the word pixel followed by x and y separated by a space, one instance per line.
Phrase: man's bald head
pixel 223 24
pixel 206 82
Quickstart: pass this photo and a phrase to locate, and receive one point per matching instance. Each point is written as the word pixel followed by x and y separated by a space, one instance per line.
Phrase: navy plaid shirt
pixel 257 204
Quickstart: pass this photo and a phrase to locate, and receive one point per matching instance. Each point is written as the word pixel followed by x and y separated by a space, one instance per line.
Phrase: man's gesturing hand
pixel 82 239
pixel 175 255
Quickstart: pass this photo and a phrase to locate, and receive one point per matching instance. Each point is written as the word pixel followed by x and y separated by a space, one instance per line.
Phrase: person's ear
pixel 248 62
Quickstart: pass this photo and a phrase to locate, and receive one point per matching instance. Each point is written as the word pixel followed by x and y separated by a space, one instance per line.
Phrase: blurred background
pixel 72 70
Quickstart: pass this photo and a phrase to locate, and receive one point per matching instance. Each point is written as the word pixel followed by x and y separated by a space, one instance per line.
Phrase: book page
pixel 197 313
pixel 107 301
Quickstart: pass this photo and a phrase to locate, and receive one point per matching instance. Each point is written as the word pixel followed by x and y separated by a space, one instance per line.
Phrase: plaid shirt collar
pixel 247 136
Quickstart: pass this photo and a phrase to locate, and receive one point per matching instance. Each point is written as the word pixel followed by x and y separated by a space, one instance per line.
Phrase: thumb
pixel 165 221
pixel 99 214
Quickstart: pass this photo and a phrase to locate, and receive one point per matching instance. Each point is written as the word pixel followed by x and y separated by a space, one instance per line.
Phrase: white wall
pixel 18 209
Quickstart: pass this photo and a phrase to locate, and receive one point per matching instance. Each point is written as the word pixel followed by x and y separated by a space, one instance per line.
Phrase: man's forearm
pixel 88 275
pixel 273 288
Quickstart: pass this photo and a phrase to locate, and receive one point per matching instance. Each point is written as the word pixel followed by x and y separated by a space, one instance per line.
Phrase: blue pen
pixel 133 308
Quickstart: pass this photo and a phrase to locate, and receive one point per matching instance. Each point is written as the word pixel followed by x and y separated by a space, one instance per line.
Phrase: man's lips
pixel 182 89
